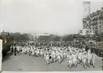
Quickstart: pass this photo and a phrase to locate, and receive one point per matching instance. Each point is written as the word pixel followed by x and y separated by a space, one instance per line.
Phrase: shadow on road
pixel 5 58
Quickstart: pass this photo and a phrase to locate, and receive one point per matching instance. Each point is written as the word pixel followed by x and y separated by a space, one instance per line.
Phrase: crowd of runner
pixel 74 56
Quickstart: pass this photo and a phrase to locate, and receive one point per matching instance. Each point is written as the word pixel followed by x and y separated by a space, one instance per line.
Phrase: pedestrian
pixel 14 49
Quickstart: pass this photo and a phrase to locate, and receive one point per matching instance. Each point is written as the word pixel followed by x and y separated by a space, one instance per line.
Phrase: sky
pixel 42 16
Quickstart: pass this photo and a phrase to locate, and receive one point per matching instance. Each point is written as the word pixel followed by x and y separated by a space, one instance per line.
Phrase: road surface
pixel 32 63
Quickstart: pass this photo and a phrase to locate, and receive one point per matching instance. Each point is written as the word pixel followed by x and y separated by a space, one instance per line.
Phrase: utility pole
pixel 1 43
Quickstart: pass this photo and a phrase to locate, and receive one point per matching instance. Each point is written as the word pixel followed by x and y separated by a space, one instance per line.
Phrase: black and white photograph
pixel 51 35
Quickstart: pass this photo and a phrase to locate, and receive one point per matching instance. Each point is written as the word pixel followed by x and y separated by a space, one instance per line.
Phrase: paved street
pixel 31 63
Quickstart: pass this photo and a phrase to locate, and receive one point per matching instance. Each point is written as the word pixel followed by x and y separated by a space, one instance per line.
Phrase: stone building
pixel 94 22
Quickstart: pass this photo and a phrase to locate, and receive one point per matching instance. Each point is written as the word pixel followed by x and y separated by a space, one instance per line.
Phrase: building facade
pixel 93 23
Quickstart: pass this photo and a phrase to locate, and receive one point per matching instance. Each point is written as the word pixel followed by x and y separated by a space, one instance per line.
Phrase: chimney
pixel 87 10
